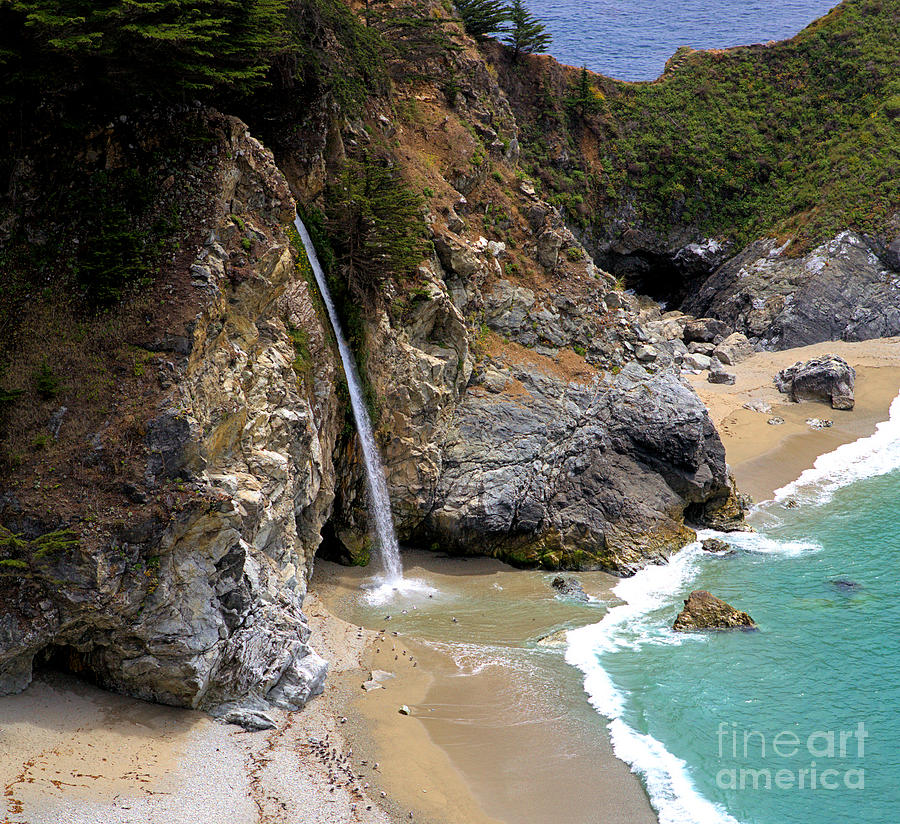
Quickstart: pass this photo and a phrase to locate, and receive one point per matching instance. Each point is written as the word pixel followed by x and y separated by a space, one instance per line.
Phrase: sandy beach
pixel 495 732
pixel 496 745
pixel 764 457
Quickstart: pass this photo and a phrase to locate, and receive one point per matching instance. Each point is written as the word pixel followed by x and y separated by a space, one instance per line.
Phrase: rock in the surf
pixel 702 611
pixel 827 377
pixel 570 587
pixel 846 585
pixel 715 545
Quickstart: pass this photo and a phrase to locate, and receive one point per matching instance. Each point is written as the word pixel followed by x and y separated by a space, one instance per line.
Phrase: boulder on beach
pixel 718 374
pixel 705 330
pixel 570 587
pixel 703 611
pixel 734 349
pixel 827 377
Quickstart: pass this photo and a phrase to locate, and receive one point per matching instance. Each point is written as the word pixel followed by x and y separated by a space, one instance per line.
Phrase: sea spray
pixel 379 499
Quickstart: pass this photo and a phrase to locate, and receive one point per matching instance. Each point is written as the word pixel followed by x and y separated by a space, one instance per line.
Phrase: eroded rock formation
pixel 828 377
pixel 845 289
pixel 703 611
pixel 198 602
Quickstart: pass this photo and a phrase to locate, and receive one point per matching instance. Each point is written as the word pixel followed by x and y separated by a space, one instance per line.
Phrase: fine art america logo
pixel 817 761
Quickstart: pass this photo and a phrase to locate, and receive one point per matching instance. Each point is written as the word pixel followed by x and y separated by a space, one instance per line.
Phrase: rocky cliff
pixel 186 587
pixel 161 514
pixel 519 415
pixel 844 289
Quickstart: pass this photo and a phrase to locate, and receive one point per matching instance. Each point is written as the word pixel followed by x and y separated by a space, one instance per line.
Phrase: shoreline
pixel 77 753
pixel 472 748
pixel 484 743
pixel 764 457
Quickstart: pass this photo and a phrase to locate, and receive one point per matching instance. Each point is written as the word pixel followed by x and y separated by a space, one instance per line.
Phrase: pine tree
pixel 527 34
pixel 167 47
pixel 375 223
pixel 582 97
pixel 483 17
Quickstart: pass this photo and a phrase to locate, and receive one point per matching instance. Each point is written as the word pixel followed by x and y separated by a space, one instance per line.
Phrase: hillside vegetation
pixel 798 138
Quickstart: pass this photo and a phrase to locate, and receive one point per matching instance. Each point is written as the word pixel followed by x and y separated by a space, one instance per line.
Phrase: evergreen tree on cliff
pixel 582 97
pixel 483 17
pixel 159 48
pixel 527 34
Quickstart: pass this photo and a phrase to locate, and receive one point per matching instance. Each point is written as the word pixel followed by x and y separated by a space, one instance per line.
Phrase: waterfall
pixel 379 500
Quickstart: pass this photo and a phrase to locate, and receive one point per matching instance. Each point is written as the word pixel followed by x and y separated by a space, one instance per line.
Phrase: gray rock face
pixel 892 255
pixel 548 246
pixel 200 606
pixel 827 377
pixel 701 257
pixel 562 474
pixel 841 290
pixel 704 330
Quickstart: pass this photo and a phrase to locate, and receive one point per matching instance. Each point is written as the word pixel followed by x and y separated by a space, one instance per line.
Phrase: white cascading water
pixel 379 499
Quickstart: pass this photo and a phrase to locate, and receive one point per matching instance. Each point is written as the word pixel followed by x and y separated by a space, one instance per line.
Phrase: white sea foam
pixel 632 624
pixel 868 457
pixel 756 542
pixel 402 589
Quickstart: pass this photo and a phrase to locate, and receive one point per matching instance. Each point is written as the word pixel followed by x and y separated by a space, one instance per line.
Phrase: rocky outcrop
pixel 842 290
pixel 527 410
pixel 827 377
pixel 569 588
pixel 715 545
pixel 703 611
pixel 198 604
pixel 594 475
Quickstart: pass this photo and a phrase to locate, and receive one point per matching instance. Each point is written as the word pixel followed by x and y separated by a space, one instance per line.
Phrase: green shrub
pixel 46 382
pixel 796 138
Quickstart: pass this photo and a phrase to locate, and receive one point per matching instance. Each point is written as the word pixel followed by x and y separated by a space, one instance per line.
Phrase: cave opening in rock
pixel 332 548
pixel 658 276
pixel 694 515
pixel 67 659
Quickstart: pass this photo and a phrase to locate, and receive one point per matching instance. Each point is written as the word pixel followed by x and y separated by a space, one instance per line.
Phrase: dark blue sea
pixel 632 39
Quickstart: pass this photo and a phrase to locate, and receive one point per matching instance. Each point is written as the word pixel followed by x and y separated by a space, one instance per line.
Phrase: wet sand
pixel 486 741
pixel 497 731
pixel 764 457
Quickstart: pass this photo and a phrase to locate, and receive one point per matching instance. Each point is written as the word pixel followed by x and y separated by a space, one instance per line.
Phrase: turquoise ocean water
pixel 632 39
pixel 797 723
